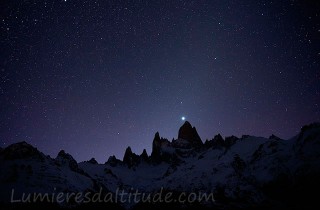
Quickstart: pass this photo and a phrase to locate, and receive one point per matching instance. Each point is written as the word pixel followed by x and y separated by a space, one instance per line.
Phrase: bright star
pixel 183 118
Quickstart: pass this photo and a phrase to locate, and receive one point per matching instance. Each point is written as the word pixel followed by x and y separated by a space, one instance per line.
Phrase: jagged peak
pixel 130 158
pixel 187 132
pixel 22 144
pixel 64 155
pixel 93 161
pixel 129 149
pixel 113 161
pixel 127 154
pixel 64 158
pixel 112 157
pixel 216 142
pixel 307 130
pixel 157 136
pixel 21 150
pixel 185 127
pixel 61 153
pixel 187 123
pixel 218 137
pixel 157 140
pixel 144 153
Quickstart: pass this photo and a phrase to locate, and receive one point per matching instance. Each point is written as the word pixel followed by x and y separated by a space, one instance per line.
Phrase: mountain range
pixel 238 173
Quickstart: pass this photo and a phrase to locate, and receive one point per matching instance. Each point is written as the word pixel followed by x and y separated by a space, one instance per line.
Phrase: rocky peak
pixel 218 138
pixel 307 142
pixel 189 133
pixel 63 155
pixel 156 137
pixel 128 153
pixel 144 156
pixel 113 161
pixel 159 148
pixel 21 150
pixel 93 161
pixel 159 142
pixel 308 132
pixel 64 158
pixel 216 142
pixel 130 158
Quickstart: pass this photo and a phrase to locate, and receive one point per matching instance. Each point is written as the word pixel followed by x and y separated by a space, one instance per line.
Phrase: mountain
pixel 239 173
pixel 190 134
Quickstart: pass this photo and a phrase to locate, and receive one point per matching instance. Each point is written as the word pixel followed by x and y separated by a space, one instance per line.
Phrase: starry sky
pixel 93 77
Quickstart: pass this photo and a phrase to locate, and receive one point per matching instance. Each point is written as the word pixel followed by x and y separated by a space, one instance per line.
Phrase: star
pixel 133 77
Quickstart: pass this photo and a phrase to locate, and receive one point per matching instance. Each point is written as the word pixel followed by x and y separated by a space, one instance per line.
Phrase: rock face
pixel 130 158
pixel 113 161
pixel 159 142
pixel 144 156
pixel 187 143
pixel 21 150
pixel 216 143
pixel 307 146
pixel 160 147
pixel 93 161
pixel 165 151
pixel 219 143
pixel 189 133
pixel 65 159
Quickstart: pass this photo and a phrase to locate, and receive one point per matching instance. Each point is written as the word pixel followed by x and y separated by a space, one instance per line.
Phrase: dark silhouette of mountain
pixel 241 173
pixel 66 159
pixel 144 156
pixel 130 159
pixel 92 161
pixel 189 133
pixel 21 150
pixel 113 161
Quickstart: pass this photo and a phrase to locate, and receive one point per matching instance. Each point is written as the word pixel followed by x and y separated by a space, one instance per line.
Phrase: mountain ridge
pixel 241 172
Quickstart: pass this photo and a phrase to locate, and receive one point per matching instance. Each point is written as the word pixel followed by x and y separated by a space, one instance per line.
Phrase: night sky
pixel 93 77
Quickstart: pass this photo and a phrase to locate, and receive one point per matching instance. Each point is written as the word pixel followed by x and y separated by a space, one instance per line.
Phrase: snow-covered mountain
pixel 240 173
